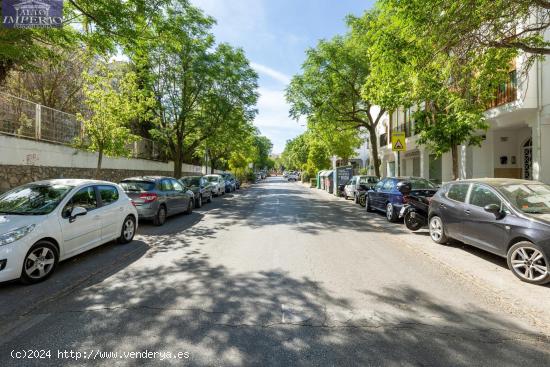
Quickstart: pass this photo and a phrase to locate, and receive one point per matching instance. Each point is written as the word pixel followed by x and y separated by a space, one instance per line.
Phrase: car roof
pixel 497 181
pixel 71 182
pixel 146 178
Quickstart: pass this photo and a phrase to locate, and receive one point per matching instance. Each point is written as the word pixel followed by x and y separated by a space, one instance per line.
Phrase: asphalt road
pixel 278 274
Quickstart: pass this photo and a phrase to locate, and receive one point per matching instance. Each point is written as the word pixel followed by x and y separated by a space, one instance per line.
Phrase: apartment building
pixel 516 145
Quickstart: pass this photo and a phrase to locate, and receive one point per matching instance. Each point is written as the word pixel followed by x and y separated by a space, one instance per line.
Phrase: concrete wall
pixel 23 161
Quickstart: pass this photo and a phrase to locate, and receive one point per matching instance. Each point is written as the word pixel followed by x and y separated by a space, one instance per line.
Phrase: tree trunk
pixel 177 160
pixel 374 150
pixel 99 161
pixel 454 153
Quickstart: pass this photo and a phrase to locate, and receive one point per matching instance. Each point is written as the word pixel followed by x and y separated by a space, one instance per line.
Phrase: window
pixel 33 199
pixel 389 185
pixel 458 192
pixel 166 185
pixel 108 194
pixel 137 186
pixel 379 185
pixel 84 198
pixel 177 185
pixel 482 196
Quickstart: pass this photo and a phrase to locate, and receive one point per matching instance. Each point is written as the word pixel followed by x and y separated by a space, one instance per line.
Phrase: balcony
pixel 506 92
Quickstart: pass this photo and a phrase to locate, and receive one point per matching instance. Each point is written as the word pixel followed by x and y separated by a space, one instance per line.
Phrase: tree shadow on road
pixel 272 319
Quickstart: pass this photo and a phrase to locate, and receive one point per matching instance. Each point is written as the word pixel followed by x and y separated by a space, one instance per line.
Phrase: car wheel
pixel 39 263
pixel 128 230
pixel 527 261
pixel 362 200
pixel 209 198
pixel 411 223
pixel 367 203
pixel 355 199
pixel 160 218
pixel 198 203
pixel 437 230
pixel 189 209
pixel 391 215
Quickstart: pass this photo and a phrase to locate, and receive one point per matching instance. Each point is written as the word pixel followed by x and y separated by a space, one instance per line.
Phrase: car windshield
pixel 137 186
pixel 529 198
pixel 33 199
pixel 368 180
pixel 191 181
pixel 420 184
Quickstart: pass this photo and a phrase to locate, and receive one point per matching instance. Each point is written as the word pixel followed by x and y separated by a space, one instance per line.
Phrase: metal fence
pixel 25 119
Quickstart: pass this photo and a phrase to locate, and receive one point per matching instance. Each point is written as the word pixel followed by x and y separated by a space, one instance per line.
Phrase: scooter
pixel 415 212
pixel 415 208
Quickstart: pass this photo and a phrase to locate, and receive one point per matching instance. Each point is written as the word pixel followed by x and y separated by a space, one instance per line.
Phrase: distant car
pixel 45 222
pixel 201 188
pixel 292 176
pixel 157 197
pixel 358 186
pixel 218 184
pixel 508 217
pixel 230 184
pixel 387 198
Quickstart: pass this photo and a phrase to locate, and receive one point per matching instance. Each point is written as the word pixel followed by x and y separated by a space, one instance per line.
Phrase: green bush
pixel 251 176
pixel 313 182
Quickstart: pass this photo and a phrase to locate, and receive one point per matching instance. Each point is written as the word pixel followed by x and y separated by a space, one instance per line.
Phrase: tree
pixel 329 91
pixel 112 102
pixel 452 89
pixel 462 26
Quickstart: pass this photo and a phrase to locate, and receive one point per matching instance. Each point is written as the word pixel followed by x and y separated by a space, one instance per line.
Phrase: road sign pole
pixel 398 163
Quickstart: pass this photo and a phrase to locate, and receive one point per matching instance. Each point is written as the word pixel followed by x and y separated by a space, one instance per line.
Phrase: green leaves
pixel 113 101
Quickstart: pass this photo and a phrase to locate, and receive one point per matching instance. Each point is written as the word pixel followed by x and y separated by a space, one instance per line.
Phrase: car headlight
pixel 15 235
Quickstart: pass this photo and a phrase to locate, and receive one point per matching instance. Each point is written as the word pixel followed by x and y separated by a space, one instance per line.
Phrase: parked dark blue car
pixel 386 197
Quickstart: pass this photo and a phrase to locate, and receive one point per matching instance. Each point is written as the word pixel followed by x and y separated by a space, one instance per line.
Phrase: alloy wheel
pixel 436 229
pixel 529 264
pixel 129 229
pixel 389 212
pixel 39 263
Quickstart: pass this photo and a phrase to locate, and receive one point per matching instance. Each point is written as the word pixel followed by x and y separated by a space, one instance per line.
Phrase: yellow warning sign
pixel 398 143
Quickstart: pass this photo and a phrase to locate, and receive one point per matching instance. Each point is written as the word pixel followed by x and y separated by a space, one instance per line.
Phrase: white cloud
pixel 273 119
pixel 266 70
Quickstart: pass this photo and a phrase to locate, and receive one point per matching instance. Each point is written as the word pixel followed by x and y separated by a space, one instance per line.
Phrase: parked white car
pixel 45 222
pixel 218 184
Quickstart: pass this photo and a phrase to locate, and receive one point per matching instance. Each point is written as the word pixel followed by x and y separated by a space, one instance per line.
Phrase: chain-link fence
pixel 25 119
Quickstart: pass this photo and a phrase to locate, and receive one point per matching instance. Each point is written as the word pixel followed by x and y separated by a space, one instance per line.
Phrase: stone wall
pixel 16 175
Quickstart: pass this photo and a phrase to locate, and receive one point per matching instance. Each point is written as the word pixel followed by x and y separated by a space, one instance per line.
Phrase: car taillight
pixel 148 197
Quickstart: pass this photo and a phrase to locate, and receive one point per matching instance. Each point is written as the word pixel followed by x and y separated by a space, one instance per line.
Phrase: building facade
pixel 516 145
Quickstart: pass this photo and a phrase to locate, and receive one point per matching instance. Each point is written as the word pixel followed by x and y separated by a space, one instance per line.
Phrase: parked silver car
pixel 218 184
pixel 158 197
pixel 359 185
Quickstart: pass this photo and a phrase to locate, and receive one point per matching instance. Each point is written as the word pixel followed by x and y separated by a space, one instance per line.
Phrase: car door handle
pixel 120 208
pixel 467 211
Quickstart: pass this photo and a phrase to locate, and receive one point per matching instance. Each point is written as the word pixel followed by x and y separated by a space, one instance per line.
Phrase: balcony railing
pixel 506 92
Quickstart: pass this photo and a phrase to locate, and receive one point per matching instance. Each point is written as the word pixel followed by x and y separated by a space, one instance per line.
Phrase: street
pixel 280 274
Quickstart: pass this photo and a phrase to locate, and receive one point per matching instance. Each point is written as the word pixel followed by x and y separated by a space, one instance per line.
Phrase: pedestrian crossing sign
pixel 398 143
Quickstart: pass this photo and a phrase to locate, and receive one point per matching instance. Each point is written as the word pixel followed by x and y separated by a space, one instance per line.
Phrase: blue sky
pixel 275 35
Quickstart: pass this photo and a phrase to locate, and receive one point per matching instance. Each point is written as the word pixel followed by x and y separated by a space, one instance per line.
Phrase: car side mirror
pixel 493 209
pixel 77 211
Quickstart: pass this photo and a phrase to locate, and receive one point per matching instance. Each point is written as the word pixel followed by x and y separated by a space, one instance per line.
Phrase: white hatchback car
pixel 45 222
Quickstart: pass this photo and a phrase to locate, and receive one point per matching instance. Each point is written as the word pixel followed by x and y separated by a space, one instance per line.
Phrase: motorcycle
pixel 415 210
